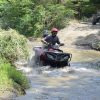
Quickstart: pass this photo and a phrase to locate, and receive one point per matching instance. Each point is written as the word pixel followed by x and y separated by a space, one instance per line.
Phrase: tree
pixel 95 1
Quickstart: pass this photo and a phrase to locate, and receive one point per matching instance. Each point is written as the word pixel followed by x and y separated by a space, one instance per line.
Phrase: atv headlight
pixel 50 56
pixel 64 58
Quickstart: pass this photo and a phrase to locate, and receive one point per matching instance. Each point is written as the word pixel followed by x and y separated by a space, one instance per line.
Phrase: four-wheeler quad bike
pixel 96 19
pixel 55 58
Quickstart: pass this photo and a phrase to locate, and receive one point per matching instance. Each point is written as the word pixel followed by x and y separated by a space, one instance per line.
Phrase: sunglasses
pixel 54 32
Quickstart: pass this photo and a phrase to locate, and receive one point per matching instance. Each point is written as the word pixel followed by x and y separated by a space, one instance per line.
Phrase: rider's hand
pixel 48 43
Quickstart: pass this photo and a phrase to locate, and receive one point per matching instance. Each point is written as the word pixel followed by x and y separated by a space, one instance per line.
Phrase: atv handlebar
pixel 61 44
pixel 57 49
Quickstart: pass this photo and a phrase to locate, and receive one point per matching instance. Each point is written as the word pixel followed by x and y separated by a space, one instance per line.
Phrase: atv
pixel 95 19
pixel 53 57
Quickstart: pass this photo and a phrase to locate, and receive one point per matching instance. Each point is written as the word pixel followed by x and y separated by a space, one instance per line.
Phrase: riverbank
pixel 13 46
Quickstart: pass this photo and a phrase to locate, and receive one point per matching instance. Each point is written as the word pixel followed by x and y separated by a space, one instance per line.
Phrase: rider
pixel 52 39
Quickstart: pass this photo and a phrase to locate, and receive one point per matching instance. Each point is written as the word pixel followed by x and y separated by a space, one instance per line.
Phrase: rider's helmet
pixel 53 30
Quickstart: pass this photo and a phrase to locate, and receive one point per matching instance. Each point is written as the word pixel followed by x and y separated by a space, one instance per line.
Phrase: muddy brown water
pixel 81 81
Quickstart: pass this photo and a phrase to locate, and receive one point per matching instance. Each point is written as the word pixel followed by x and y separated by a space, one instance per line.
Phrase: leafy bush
pixel 12 45
pixel 10 77
pixel 55 15
pixel 30 17
pixel 88 10
pixel 95 1
pixel 38 20
pixel 4 80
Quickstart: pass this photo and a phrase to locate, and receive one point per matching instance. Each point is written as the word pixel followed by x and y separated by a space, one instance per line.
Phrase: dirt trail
pixel 75 30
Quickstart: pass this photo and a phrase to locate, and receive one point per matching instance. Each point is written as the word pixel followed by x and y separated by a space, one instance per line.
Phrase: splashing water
pixel 81 81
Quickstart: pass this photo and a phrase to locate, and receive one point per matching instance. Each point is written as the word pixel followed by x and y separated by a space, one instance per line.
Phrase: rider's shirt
pixel 52 40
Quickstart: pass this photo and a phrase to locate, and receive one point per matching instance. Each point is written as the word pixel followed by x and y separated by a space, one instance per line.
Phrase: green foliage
pixel 88 10
pixel 17 14
pixel 30 17
pixel 10 76
pixel 95 1
pixel 38 20
pixel 55 15
pixel 12 45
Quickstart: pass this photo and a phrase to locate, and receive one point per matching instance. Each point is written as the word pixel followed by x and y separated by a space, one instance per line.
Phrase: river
pixel 80 81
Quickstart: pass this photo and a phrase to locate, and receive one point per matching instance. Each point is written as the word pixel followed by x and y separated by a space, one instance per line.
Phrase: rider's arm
pixel 58 42
pixel 43 41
